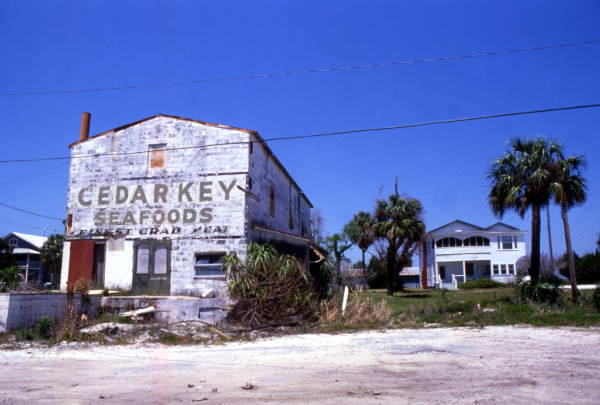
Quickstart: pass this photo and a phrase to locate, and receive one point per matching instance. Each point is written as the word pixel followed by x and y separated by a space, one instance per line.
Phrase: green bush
pixel 543 293
pixel 10 277
pixel 596 298
pixel 481 283
pixel 25 334
pixel 44 326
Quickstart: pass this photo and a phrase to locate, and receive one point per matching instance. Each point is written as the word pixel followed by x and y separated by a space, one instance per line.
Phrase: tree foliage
pixel 51 254
pixel 398 220
pixel 521 180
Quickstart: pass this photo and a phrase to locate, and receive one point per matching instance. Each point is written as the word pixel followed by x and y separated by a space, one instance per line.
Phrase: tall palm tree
pixel 521 180
pixel 569 190
pixel 399 221
pixel 360 231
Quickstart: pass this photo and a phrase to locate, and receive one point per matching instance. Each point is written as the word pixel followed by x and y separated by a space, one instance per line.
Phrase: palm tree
pixel 360 231
pixel 51 255
pixel 398 220
pixel 569 190
pixel 520 180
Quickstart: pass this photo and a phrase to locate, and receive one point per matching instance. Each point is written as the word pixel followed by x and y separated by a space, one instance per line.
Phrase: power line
pixel 30 212
pixel 31 227
pixel 303 72
pixel 317 135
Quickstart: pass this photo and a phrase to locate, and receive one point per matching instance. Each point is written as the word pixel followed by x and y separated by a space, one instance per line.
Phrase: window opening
pixel 495 267
pixel 157 156
pixel 507 242
pixel 143 253
pixel 209 264
pixel 271 200
pixel 12 242
pixel 160 260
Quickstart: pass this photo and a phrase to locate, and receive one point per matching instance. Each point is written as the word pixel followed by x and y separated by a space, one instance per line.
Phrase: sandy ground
pixel 494 365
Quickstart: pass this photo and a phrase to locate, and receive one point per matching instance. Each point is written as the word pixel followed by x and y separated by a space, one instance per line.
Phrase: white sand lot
pixel 494 365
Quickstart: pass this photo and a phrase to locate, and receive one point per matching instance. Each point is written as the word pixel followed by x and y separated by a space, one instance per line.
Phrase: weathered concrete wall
pixel 171 309
pixel 122 199
pixel 289 202
pixel 18 311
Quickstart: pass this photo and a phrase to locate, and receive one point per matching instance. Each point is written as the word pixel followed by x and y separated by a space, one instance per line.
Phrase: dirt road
pixel 495 365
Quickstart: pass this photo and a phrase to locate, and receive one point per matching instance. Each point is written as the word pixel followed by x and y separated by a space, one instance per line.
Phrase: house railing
pixel 455 278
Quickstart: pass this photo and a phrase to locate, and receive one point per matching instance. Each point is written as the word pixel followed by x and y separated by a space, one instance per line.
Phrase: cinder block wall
pixel 19 311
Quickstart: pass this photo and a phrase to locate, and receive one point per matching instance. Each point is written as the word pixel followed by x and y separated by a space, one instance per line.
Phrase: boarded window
pixel 209 264
pixel 143 252
pixel 271 201
pixel 157 155
pixel 70 223
pixel 160 260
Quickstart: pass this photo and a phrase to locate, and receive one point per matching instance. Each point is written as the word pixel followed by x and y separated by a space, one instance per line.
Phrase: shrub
pixel 10 277
pixel 25 334
pixel 481 283
pixel 596 298
pixel 542 293
pixel 270 289
pixel 44 326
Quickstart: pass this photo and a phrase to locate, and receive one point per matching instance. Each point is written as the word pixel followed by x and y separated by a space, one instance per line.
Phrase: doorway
pixel 152 267
pixel 99 265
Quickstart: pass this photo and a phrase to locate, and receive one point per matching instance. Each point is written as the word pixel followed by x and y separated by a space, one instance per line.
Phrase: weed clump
pixel 359 310
pixel 270 289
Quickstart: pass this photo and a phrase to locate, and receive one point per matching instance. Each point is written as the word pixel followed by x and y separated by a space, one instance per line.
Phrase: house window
pixel 442 272
pixel 476 241
pixel 209 264
pixel 495 268
pixel 157 155
pixel 12 242
pixel 449 242
pixel 503 268
pixel 515 241
pixel 271 200
pixel 507 242
pixel 511 269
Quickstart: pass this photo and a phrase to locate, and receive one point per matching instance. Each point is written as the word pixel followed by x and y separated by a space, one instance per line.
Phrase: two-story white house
pixel 459 251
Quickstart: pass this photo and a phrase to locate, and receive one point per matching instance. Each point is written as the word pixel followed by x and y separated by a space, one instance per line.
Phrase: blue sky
pixel 64 45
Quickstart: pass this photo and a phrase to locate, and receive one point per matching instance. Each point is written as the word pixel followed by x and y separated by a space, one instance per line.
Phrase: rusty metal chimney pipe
pixel 84 131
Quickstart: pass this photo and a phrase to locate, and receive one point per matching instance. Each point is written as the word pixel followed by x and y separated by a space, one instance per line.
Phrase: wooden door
pixel 152 267
pixel 81 261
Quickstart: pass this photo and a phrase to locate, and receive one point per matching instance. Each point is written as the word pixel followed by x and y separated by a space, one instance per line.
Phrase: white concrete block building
pixel 459 251
pixel 154 205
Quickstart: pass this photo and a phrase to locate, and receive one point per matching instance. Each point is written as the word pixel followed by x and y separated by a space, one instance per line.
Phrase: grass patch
pixel 480 307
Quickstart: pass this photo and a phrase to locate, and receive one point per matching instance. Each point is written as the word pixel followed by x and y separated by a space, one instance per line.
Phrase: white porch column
pixel 464 271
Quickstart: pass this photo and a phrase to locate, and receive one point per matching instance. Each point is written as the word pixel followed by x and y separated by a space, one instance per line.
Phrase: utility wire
pixel 303 72
pixel 30 212
pixel 31 227
pixel 318 135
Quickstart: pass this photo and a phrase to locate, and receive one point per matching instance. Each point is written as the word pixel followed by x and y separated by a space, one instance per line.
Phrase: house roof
pixel 23 251
pixel 35 240
pixel 410 271
pixel 494 227
pixel 259 139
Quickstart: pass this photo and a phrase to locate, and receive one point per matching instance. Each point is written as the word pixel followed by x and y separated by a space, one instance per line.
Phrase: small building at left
pixel 27 249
